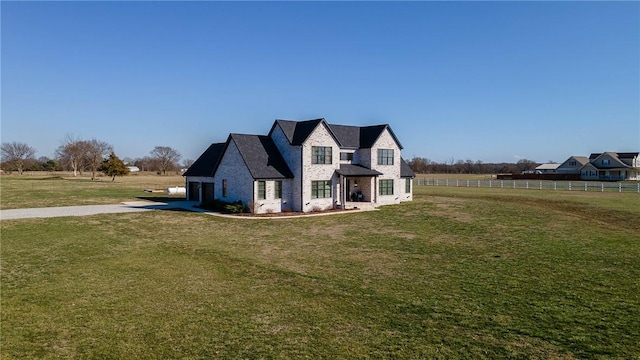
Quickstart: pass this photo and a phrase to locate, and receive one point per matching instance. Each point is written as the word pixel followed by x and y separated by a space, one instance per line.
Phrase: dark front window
pixel 262 191
pixel 386 187
pixel 346 156
pixel 321 155
pixel 385 156
pixel 277 189
pixel 320 189
pixel 407 185
pixel 224 188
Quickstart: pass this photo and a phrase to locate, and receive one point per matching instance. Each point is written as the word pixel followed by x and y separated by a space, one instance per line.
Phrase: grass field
pixel 457 273
pixel 41 189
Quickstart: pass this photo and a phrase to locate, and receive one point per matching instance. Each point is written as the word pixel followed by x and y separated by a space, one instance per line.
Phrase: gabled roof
pixel 355 137
pixel 622 155
pixel 297 132
pixel 616 162
pixel 351 137
pixel 261 156
pixel 581 160
pixel 405 169
pixel 207 163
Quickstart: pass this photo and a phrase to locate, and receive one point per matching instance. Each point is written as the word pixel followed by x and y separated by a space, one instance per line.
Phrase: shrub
pixel 235 208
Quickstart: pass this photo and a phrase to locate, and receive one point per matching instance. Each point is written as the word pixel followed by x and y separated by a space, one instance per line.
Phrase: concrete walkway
pixel 86 210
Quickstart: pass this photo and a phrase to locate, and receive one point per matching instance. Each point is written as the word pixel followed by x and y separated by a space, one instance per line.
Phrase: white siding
pixel 239 179
pixel 271 204
pixel 291 155
pixel 390 172
pixel 313 172
pixel 406 196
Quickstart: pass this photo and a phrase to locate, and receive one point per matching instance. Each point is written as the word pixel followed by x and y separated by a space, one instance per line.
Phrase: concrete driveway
pixel 85 210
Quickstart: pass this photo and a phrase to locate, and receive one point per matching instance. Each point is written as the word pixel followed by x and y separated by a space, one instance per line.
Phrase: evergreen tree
pixel 113 167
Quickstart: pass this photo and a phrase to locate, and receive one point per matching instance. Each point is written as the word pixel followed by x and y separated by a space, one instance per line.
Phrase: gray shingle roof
pixel 352 137
pixel 348 136
pixel 405 169
pixel 356 170
pixel 261 156
pixel 207 163
pixel 298 131
pixel 356 137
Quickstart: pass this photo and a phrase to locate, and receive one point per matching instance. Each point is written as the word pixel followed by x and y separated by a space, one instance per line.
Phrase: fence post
pixel 489 183
pixel 555 185
pixel 457 182
pixel 501 183
pixel 478 183
pixel 514 184
pixel 446 182
pixel 585 186
pixel 569 185
pixel 467 183
pixel 540 185
pixel 619 187
pixel 527 184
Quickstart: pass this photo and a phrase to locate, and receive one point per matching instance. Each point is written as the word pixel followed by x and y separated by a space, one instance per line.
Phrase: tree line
pixel 78 156
pixel 93 155
pixel 422 165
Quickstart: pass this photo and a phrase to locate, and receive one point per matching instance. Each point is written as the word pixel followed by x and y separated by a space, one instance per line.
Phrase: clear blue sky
pixel 489 81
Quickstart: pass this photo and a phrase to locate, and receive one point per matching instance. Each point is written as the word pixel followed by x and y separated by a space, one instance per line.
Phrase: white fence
pixel 535 184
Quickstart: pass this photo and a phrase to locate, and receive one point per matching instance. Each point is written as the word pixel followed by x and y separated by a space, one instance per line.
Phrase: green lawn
pixel 44 190
pixel 457 273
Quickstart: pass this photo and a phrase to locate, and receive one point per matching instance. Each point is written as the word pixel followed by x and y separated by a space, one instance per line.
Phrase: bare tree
pixel 73 153
pixel 17 154
pixel 187 163
pixel 419 165
pixel 96 152
pixel 526 165
pixel 166 156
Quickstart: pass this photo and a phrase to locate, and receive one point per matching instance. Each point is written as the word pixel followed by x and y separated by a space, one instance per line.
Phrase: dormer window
pixel 605 161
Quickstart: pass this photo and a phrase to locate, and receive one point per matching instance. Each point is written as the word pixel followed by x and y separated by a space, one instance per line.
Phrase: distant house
pixel 303 166
pixel 133 168
pixel 546 168
pixel 572 165
pixel 607 166
pixel 612 166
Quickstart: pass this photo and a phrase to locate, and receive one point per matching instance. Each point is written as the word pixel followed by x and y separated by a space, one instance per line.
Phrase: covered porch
pixel 358 186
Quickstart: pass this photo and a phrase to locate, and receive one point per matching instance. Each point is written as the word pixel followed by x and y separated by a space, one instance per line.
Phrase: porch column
pixel 343 192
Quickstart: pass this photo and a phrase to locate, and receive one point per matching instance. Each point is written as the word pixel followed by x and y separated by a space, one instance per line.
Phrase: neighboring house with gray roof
pixel 612 166
pixel 303 166
pixel 607 166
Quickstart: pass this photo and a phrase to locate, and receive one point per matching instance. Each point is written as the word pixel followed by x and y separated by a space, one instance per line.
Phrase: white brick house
pixel 303 166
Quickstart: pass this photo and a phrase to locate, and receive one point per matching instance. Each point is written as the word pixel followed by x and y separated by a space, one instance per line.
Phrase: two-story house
pixel 612 166
pixel 607 166
pixel 303 166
